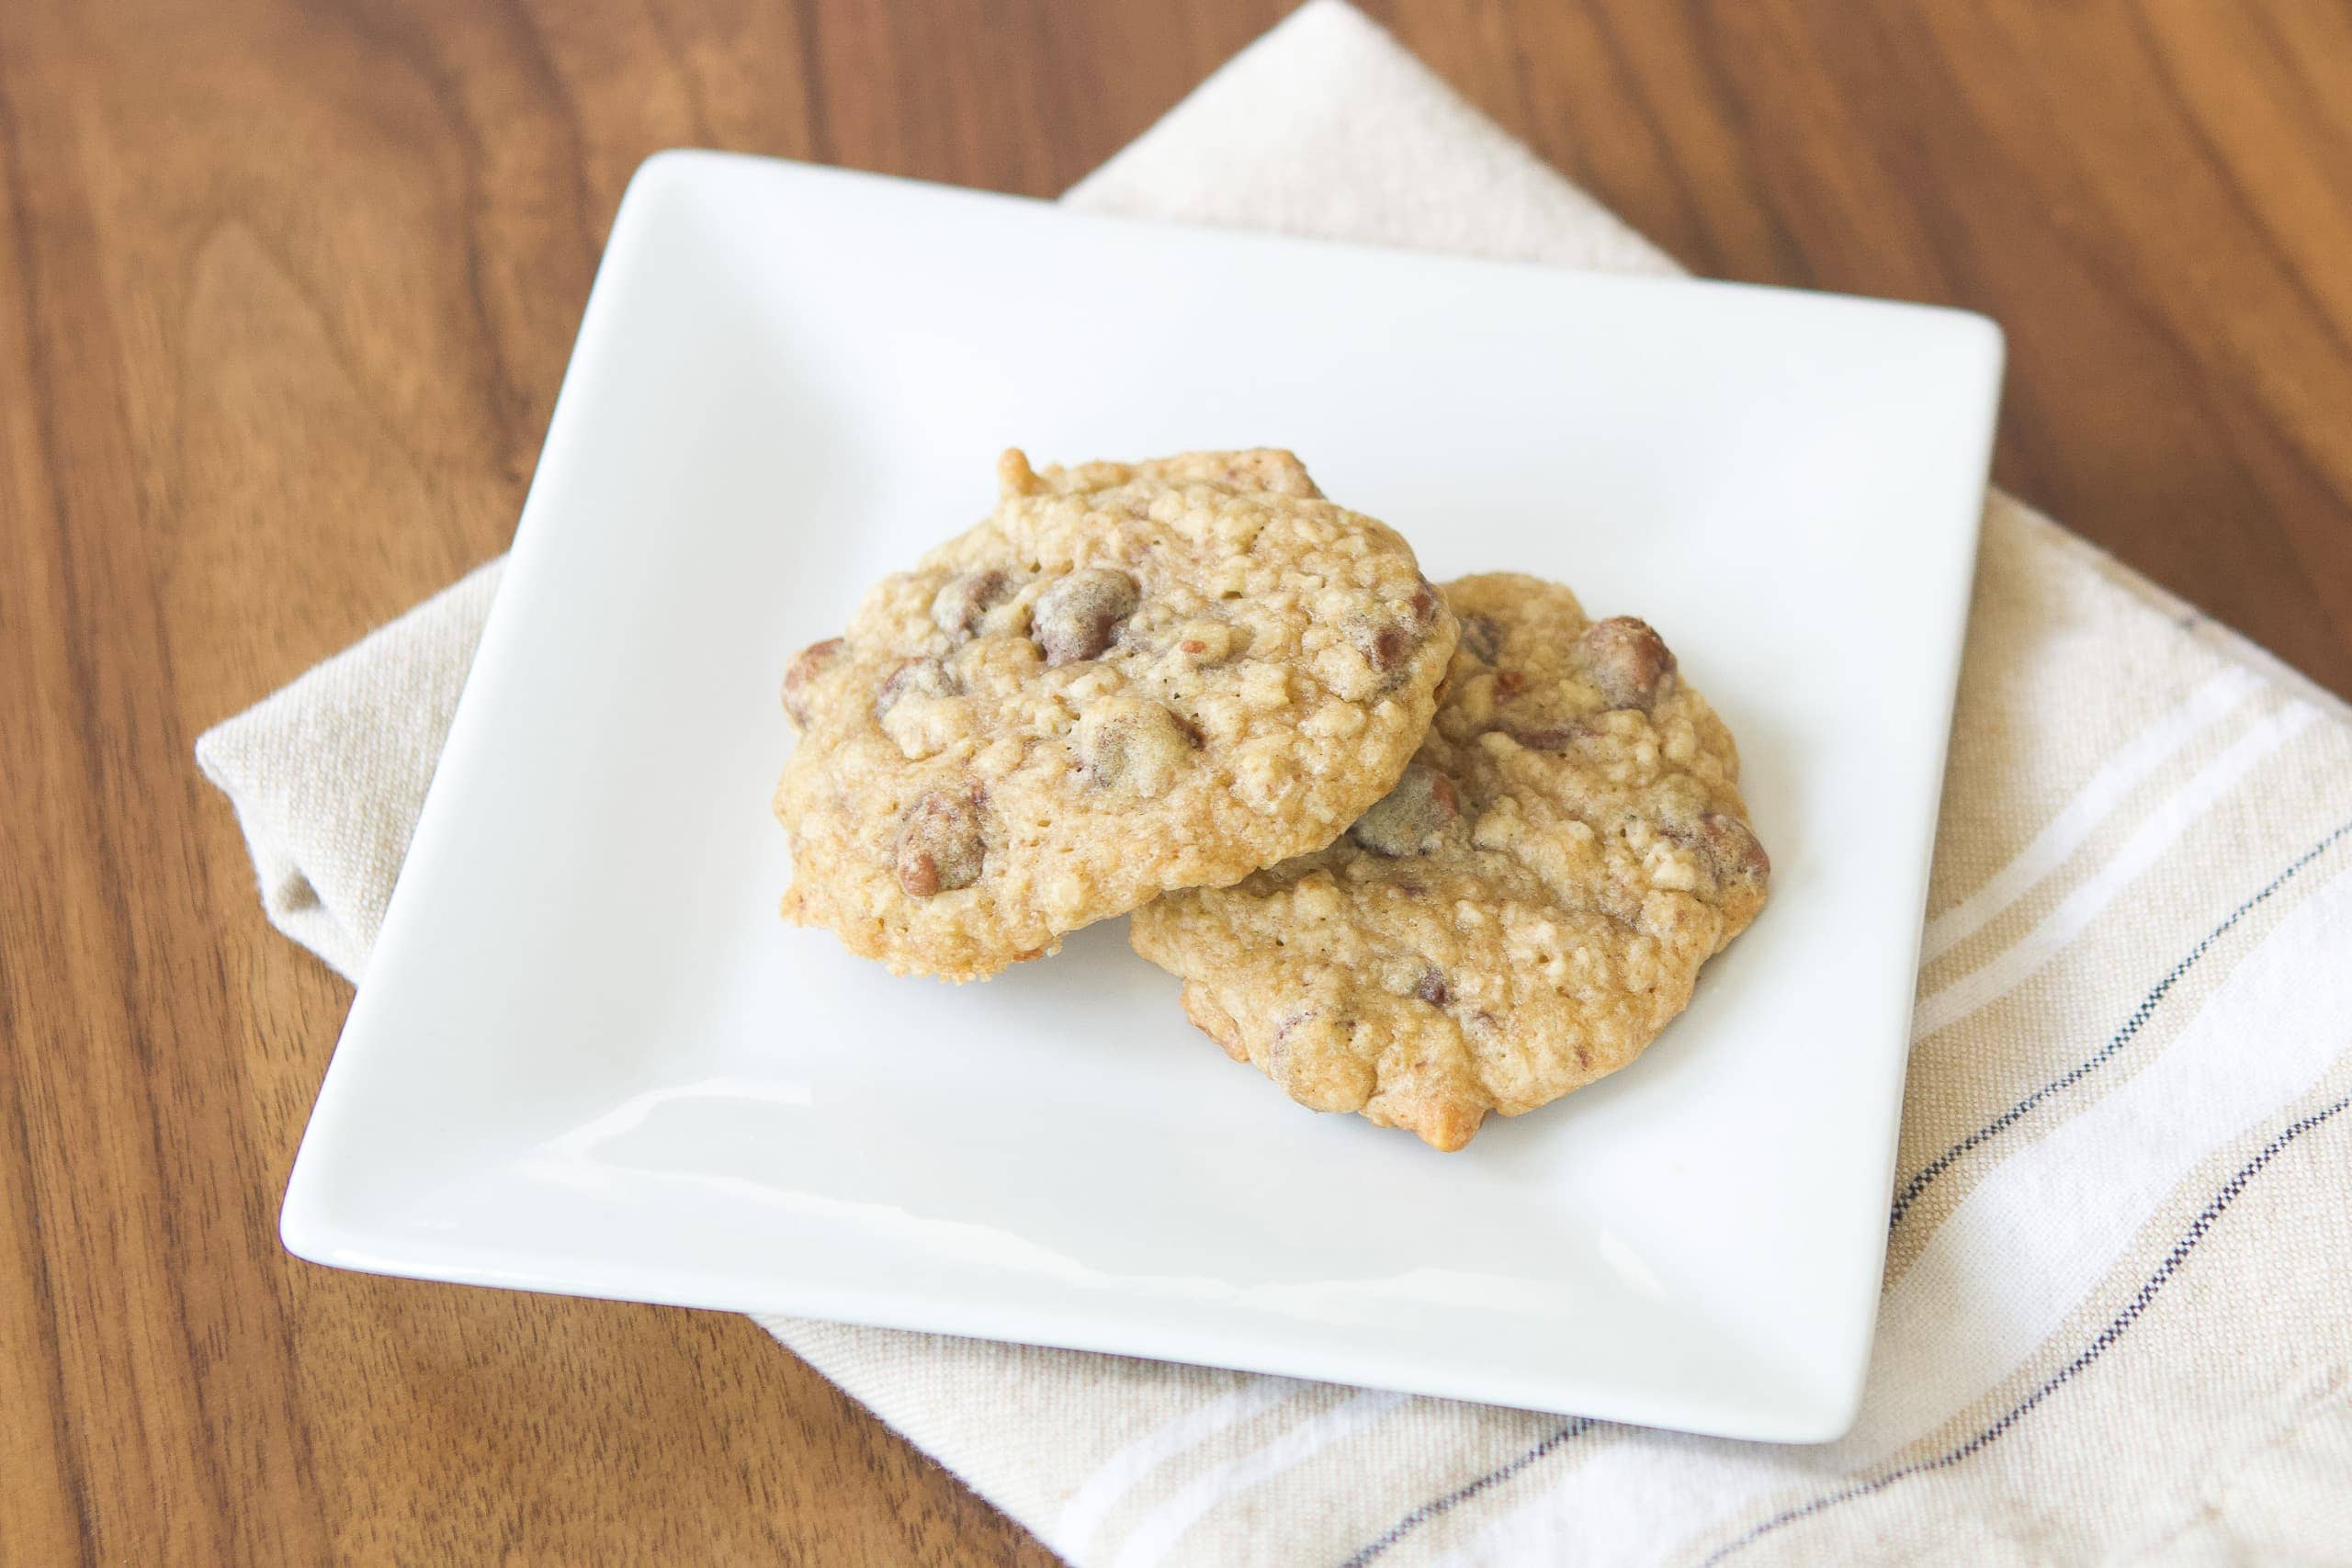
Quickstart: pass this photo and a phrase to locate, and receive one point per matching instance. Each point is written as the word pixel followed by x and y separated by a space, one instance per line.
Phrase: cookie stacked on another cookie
pixel 1421 854
pixel 1128 679
pixel 1520 916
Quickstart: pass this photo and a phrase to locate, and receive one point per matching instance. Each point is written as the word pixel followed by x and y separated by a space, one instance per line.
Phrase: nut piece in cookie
pixel 1518 916
pixel 1112 685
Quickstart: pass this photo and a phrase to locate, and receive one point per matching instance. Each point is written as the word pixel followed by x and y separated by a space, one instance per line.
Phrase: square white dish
pixel 589 1058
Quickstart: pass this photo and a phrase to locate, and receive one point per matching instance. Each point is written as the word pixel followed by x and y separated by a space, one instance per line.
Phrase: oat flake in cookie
pixel 1519 916
pixel 1128 678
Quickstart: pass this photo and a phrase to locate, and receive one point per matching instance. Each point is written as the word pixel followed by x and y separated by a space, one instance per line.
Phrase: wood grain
pixel 286 291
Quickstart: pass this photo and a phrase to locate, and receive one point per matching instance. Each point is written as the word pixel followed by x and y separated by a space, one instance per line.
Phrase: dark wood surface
pixel 286 288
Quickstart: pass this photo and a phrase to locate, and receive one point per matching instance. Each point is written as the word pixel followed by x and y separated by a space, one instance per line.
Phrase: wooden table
pixel 286 289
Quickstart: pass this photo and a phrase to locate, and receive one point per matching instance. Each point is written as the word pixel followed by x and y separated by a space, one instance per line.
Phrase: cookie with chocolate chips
pixel 1128 678
pixel 1521 915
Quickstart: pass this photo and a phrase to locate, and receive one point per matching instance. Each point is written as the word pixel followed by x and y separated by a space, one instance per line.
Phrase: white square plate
pixel 589 1058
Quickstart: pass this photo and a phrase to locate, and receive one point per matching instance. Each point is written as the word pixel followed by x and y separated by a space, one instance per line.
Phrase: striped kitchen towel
pixel 2118 1310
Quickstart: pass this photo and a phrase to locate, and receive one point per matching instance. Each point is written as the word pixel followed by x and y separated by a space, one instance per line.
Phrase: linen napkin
pixel 2118 1310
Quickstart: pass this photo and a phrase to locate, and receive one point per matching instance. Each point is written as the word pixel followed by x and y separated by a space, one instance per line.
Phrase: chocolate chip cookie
pixel 1524 910
pixel 1128 678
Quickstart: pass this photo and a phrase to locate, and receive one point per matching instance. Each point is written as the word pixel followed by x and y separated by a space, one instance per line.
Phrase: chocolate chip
pixel 806 665
pixel 1629 663
pixel 1430 988
pixel 915 678
pixel 1732 848
pixel 1387 643
pixel 1510 682
pixel 1483 636
pixel 1134 746
pixel 963 601
pixel 941 846
pixel 1077 617
pixel 1410 819
pixel 1549 738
